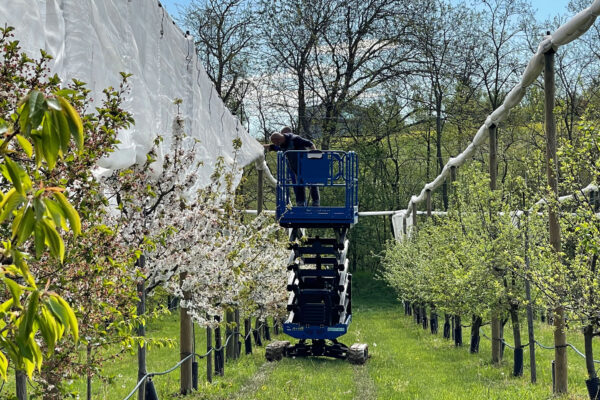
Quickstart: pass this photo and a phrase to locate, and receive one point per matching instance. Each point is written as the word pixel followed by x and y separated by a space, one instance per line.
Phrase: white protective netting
pixel 94 40
pixel 566 33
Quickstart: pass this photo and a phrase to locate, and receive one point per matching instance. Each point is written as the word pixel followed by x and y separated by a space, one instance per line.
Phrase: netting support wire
pixel 151 374
pixel 173 368
pixel 546 347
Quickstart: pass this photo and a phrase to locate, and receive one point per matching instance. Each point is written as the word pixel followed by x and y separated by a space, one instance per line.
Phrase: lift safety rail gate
pixel 319 280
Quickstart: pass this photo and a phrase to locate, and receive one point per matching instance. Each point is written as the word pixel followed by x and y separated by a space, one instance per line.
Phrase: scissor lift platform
pixel 319 279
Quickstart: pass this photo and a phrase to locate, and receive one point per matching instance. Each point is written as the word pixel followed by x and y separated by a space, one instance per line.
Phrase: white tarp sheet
pixel 94 40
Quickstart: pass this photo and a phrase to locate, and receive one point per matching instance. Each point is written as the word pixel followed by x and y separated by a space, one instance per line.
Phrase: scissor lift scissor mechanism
pixel 319 280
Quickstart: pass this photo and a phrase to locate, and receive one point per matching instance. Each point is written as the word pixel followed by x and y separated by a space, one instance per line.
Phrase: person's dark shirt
pixel 292 142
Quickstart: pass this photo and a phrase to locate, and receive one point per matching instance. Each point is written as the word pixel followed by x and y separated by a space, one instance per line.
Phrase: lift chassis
pixel 319 278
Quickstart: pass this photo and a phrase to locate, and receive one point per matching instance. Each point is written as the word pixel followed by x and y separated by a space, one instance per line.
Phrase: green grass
pixel 407 363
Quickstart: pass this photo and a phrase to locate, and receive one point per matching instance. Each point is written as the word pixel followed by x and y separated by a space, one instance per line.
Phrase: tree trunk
pixel 21 382
pixel 229 322
pixel 433 323
pixel 496 326
pixel 257 332
pixel 588 335
pixel 141 331
pixel 186 343
pixel 560 350
pixel 592 383
pixel 447 333
pixel 219 356
pixel 209 356
pixel 89 371
pixel 518 359
pixel 458 331
pixel 475 337
pixel 530 330
pixel 236 334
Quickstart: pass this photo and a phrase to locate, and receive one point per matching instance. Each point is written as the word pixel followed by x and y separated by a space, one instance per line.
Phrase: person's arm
pixel 301 143
pixel 271 147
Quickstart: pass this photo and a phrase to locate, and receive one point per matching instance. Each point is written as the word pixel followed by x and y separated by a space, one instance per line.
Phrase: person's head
pixel 286 129
pixel 277 139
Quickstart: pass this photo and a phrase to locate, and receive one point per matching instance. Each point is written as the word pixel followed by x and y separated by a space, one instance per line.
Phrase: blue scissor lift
pixel 319 279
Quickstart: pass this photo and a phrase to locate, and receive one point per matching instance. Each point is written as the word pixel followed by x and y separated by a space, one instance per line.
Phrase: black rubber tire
pixel 358 353
pixel 276 350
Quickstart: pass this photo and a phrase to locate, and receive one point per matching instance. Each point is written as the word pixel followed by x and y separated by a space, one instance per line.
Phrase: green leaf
pixel 56 212
pixel 74 121
pixel 61 125
pixel 37 353
pixel 40 239
pixel 10 202
pixel 70 212
pixel 71 317
pixel 46 323
pixel 15 290
pixel 28 360
pixel 50 144
pixel 53 240
pixel 3 367
pixel 58 310
pixel 37 106
pixel 3 127
pixel 26 325
pixel 39 153
pixel 24 118
pixel 25 145
pixel 14 170
pixel 4 307
pixel 65 92
pixel 39 206
pixel 53 104
pixel 26 226
pixel 19 261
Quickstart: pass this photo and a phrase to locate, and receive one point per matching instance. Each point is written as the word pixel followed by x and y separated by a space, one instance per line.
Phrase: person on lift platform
pixel 284 141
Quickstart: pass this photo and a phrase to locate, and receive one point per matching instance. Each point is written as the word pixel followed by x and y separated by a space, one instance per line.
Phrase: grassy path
pixel 410 363
pixel 407 363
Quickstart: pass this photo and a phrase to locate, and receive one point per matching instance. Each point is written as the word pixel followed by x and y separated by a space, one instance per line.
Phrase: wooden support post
pixel 230 347
pixel 257 332
pixel 219 356
pixel 259 194
pixel 186 342
pixel 428 193
pixel 496 323
pixel 404 225
pixel 141 329
pixel 414 216
pixel 493 139
pixel 530 328
pixel 89 372
pixel 248 335
pixel 560 337
pixel 266 330
pixel 209 357
pixel 236 334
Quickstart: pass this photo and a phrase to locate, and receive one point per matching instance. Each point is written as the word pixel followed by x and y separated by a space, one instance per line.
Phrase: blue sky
pixel 546 9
